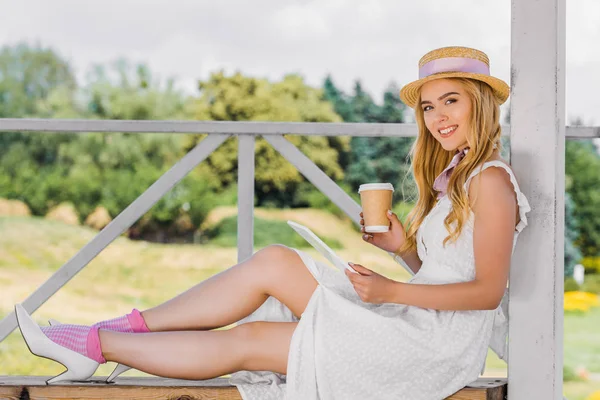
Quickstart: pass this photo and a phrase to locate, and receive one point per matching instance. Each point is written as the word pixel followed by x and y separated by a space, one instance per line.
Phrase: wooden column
pixel 245 196
pixel 538 158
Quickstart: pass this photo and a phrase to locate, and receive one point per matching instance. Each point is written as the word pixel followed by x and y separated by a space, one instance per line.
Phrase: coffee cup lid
pixel 376 186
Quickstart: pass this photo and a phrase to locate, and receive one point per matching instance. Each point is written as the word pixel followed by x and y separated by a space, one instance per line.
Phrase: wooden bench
pixel 126 388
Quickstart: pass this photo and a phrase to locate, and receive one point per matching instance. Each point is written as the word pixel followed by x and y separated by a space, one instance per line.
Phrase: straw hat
pixel 453 62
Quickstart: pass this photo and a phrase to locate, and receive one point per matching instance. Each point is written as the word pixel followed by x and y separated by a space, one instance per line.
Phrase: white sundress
pixel 346 349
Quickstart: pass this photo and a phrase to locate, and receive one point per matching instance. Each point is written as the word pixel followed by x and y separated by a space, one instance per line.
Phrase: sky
pixel 374 41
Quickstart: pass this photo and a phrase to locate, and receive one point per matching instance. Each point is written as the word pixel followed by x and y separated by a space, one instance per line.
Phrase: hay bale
pixel 65 213
pixel 13 208
pixel 98 219
pixel 183 224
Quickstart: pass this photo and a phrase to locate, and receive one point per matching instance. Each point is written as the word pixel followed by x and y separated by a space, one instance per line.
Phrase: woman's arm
pixel 494 205
pixel 495 220
pixel 411 259
pixel 471 295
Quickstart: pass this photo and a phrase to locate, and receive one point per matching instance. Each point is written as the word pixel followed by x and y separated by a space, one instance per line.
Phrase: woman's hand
pixel 388 241
pixel 370 286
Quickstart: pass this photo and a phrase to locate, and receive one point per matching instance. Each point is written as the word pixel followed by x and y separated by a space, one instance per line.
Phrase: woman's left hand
pixel 370 286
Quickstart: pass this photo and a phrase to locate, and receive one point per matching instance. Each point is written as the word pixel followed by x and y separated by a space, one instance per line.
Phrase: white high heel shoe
pixel 79 367
pixel 119 369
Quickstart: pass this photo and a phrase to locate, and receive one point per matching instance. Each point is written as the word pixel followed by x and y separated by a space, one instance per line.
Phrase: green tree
pixel 32 78
pixel 113 169
pixel 241 98
pixel 340 101
pixel 583 170
pixel 375 159
pixel 29 74
pixel 572 253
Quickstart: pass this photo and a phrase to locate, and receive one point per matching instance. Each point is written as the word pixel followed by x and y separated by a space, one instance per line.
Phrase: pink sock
pixel 79 338
pixel 130 323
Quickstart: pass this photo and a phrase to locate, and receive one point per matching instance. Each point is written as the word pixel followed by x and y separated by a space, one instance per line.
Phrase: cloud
pixel 377 41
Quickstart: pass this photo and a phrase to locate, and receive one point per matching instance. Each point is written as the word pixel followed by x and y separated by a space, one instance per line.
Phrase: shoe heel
pixel 70 375
pixel 78 366
pixel 121 368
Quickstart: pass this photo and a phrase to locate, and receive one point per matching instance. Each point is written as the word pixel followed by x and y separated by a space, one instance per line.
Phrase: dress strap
pixel 522 202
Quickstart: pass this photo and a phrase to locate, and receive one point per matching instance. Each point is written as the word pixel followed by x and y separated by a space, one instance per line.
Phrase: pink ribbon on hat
pixel 441 182
pixel 454 64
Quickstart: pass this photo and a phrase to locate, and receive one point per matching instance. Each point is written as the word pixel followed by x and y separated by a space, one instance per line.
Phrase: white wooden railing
pixel 218 132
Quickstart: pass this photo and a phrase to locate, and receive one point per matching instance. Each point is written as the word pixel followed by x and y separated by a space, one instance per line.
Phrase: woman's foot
pixel 129 323
pixel 77 347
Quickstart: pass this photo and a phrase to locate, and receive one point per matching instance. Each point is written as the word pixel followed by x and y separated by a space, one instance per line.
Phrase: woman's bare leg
pixel 255 346
pixel 235 293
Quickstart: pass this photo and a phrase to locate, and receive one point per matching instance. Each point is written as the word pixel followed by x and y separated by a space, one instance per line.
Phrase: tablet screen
pixel 320 246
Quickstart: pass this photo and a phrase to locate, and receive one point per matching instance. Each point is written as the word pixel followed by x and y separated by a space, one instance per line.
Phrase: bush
pixel 569 374
pixel 591 283
pixel 266 232
pixel 571 285
pixel 594 396
pixel 591 265
pixel 307 195
pixel 580 302
pixel 402 209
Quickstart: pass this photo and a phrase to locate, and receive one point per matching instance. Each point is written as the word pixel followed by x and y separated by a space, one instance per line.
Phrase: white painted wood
pixel 123 221
pixel 238 127
pixel 317 177
pixel 245 196
pixel 582 132
pixel 232 127
pixel 538 147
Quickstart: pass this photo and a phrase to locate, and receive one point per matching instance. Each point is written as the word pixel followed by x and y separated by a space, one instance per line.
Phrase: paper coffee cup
pixel 376 199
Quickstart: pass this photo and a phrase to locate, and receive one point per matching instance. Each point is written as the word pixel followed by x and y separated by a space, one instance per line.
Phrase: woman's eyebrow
pixel 440 98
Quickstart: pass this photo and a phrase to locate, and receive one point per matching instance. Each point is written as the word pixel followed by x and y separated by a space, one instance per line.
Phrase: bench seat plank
pixel 34 388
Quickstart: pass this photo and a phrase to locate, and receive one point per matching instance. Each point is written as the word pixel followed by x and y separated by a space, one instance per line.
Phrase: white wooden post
pixel 538 157
pixel 245 201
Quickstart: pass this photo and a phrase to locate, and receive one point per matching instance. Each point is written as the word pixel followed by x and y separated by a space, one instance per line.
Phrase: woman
pixel 354 336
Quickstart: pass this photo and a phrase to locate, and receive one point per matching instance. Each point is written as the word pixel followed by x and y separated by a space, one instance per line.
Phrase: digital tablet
pixel 320 246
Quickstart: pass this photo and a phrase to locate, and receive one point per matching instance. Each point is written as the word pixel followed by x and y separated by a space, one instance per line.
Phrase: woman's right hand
pixel 388 241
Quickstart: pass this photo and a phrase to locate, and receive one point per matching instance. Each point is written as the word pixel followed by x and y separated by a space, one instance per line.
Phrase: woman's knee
pixel 264 345
pixel 275 257
pixel 275 251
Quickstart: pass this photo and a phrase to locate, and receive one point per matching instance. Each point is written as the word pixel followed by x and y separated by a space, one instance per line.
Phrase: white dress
pixel 346 349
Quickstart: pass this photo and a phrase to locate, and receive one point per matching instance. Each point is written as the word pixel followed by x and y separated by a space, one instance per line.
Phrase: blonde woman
pixel 307 331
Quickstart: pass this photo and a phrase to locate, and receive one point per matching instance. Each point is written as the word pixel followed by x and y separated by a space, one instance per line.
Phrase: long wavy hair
pixel 429 159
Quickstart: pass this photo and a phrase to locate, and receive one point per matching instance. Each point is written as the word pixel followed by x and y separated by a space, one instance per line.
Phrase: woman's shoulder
pixel 501 179
pixel 484 169
pixel 499 183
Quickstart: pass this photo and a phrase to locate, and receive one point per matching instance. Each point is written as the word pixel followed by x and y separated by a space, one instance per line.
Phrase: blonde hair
pixel 429 159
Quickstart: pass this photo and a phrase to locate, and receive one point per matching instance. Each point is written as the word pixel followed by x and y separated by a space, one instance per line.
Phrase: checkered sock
pixel 130 323
pixel 79 338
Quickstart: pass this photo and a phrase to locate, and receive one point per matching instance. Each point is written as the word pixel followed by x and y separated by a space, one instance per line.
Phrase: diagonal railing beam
pixel 317 177
pixel 324 183
pixel 123 221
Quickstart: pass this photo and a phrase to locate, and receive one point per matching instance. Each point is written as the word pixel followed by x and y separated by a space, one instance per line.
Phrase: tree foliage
pixel 375 159
pixel 242 98
pixel 583 172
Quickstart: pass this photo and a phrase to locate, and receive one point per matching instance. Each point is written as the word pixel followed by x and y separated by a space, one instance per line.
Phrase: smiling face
pixel 447 112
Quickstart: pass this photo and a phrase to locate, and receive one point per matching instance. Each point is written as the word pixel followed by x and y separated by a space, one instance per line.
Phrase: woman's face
pixel 447 111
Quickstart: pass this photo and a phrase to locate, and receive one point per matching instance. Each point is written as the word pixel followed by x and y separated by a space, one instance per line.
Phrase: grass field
pixel 131 274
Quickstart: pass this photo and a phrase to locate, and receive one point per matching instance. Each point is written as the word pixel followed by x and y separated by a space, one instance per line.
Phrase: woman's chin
pixel 447 146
